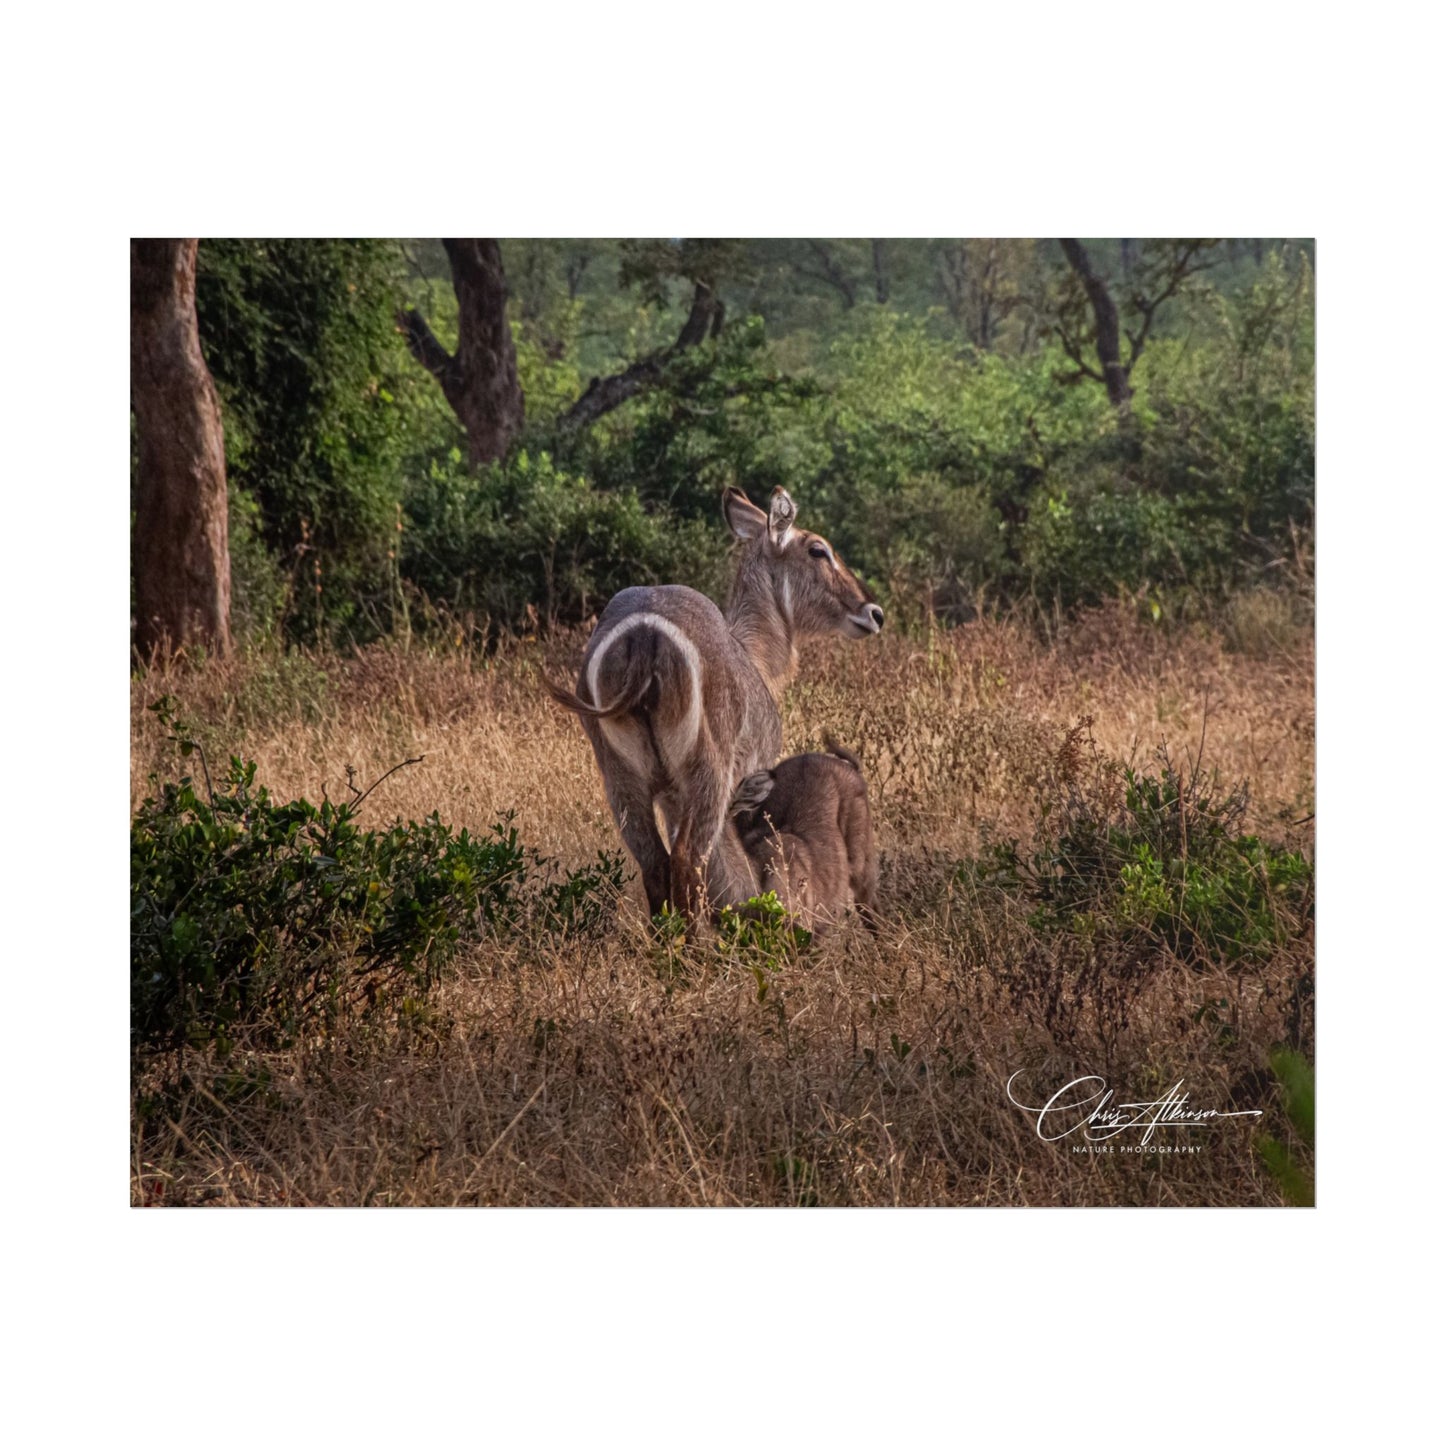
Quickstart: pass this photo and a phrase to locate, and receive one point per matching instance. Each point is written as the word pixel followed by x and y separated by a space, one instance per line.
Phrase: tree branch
pixel 422 342
pixel 1182 266
pixel 607 393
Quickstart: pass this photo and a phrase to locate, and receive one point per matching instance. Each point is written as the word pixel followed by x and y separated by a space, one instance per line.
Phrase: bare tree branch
pixel 880 273
pixel 606 393
pixel 1186 261
pixel 423 344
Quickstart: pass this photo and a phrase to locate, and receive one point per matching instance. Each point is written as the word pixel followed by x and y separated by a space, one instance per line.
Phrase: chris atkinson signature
pixel 1088 1104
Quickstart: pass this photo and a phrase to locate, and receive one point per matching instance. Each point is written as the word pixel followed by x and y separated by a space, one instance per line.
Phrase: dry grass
pixel 871 1071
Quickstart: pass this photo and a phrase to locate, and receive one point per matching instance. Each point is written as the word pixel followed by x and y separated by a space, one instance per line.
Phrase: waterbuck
pixel 680 700
pixel 807 831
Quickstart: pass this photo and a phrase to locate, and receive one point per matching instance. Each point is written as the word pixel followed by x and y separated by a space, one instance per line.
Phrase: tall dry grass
pixel 869 1071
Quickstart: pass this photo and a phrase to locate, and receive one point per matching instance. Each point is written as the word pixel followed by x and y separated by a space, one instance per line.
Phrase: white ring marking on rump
pixel 677 742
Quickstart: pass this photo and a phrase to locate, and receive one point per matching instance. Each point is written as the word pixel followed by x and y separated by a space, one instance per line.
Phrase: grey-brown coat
pixel 808 833
pixel 680 700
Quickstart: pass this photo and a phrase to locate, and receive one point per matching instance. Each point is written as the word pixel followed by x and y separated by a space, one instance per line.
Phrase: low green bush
pixel 1160 861
pixel 526 543
pixel 268 917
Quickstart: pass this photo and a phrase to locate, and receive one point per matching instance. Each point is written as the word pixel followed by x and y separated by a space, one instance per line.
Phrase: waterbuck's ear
pixel 746 521
pixel 781 516
pixel 751 793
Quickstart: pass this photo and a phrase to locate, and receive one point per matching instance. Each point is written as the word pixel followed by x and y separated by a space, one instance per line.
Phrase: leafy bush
pixel 248 913
pixel 938 546
pixel 1161 862
pixel 321 403
pixel 527 543
pixel 1230 420
pixel 1083 550
pixel 760 933
pixel 721 414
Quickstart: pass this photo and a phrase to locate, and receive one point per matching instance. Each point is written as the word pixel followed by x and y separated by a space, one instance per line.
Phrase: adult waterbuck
pixel 680 701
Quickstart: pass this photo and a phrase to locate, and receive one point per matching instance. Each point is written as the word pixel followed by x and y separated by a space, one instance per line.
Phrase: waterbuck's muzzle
pixel 868 620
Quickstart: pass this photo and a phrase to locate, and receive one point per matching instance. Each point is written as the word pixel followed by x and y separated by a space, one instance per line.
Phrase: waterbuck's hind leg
pixel 699 847
pixel 630 799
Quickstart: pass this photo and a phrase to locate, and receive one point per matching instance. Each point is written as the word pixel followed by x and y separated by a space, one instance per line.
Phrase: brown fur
pixel 680 700
pixel 808 833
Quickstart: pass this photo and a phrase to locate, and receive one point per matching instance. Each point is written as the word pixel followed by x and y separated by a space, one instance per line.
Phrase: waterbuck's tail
pixel 847 754
pixel 637 680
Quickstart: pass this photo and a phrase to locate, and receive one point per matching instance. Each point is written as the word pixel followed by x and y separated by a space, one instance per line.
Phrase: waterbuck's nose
pixel 874 611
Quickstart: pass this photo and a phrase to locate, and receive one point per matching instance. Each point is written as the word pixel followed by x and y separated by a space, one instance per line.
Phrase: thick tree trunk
pixel 480 380
pixel 180 556
pixel 1106 327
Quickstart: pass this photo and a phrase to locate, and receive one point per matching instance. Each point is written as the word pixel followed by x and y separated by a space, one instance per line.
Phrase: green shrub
pixel 939 546
pixel 249 914
pixel 760 933
pixel 321 404
pixel 1082 549
pixel 1160 862
pixel 721 414
pixel 525 543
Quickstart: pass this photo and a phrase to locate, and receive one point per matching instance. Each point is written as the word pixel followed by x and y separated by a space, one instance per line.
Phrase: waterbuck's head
pixel 794 573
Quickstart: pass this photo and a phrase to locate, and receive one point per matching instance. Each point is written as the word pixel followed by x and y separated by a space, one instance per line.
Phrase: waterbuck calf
pixel 680 700
pixel 808 833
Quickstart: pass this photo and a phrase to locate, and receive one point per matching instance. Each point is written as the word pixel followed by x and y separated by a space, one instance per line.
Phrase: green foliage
pixel 761 935
pixel 580 900
pixel 1162 863
pixel 1283 1159
pixel 929 437
pixel 265 917
pixel 938 546
pixel 1084 549
pixel 722 414
pixel 526 543
pixel 320 403
pixel 1229 421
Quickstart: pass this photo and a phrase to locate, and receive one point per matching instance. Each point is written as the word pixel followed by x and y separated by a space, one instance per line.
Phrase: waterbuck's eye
pixel 818 550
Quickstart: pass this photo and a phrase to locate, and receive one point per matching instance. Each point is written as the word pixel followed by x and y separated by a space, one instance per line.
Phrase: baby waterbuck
pixel 679 700
pixel 807 831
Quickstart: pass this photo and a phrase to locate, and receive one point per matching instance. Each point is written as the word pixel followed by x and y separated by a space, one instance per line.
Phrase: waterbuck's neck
pixel 761 621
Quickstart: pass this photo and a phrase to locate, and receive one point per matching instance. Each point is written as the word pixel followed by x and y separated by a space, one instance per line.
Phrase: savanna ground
pixel 617 1068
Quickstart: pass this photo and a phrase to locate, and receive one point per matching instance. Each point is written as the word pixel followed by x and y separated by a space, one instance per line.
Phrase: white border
pixel 303 119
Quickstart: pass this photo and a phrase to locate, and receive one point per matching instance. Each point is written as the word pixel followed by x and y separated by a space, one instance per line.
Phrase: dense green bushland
pixel 953 467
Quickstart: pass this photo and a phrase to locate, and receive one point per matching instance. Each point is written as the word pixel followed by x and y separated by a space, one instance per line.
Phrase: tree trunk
pixel 1106 327
pixel 480 381
pixel 880 274
pixel 180 557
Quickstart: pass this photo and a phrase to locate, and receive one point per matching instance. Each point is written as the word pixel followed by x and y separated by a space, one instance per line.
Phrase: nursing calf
pixel 808 834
